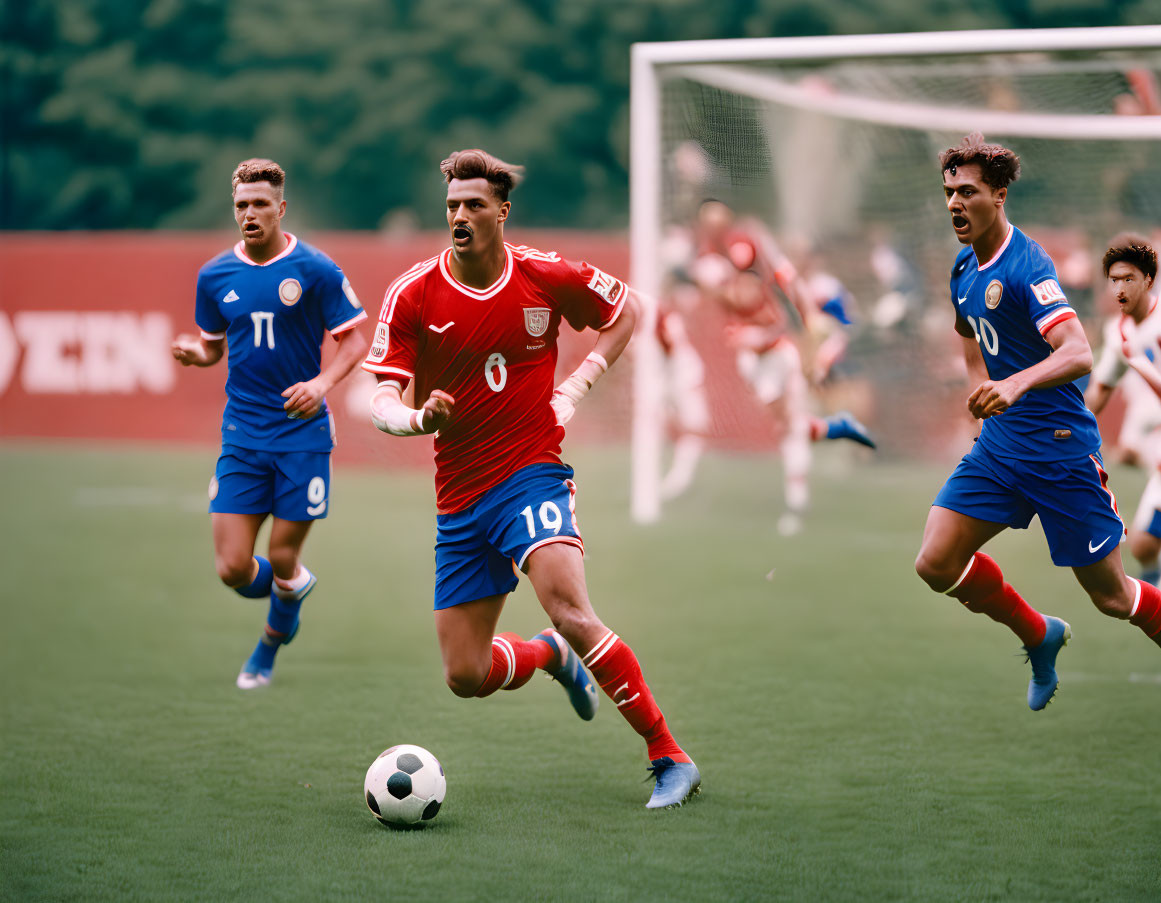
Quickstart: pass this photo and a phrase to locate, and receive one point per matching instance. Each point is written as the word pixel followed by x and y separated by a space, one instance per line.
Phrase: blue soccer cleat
pixel 568 670
pixel 844 426
pixel 676 783
pixel 1042 686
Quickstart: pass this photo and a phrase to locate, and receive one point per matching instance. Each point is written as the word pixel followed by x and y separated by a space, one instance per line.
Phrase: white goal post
pixel 781 76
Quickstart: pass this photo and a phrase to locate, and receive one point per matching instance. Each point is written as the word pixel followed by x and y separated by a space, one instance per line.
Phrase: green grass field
pixel 860 738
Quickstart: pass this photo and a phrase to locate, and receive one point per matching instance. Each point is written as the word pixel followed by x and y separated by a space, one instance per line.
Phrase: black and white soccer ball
pixel 405 786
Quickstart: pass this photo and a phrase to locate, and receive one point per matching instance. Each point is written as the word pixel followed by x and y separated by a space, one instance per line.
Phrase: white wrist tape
pixel 578 384
pixel 391 415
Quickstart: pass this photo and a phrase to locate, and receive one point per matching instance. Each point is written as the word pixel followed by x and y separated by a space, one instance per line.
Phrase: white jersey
pixel 1142 406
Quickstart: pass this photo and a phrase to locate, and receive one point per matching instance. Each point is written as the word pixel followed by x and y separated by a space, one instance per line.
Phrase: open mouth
pixel 959 223
pixel 462 234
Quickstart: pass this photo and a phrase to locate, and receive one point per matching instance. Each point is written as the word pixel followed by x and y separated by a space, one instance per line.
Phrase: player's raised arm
pixel 197 350
pixel 611 342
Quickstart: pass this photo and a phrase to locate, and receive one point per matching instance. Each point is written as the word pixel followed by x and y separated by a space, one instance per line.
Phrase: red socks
pixel 1146 612
pixel 615 668
pixel 981 588
pixel 513 662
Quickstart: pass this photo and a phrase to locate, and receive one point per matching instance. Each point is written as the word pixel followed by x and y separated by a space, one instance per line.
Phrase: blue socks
pixel 283 616
pixel 262 658
pixel 261 584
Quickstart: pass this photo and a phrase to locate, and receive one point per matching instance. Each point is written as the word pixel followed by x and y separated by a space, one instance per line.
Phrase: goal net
pixel 831 143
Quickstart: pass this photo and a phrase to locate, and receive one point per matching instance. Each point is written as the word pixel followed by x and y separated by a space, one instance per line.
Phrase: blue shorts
pixel 1077 511
pixel 289 485
pixel 480 550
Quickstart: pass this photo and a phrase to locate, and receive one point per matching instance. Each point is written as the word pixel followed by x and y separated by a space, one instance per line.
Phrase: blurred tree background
pixel 132 115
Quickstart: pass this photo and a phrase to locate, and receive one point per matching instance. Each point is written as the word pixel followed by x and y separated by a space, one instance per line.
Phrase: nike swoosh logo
pixel 961 300
pixel 1093 548
pixel 441 329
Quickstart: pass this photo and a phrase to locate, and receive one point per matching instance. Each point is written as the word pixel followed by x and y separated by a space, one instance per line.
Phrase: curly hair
pixel 999 166
pixel 477 164
pixel 1131 249
pixel 258 169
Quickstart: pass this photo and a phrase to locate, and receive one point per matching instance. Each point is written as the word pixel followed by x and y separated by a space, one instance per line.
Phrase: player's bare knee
pixel 934 573
pixel 463 681
pixel 234 571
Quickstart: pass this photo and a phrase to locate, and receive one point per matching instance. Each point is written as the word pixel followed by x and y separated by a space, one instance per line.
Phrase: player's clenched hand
pixel 437 411
pixel 992 398
pixel 187 349
pixel 303 400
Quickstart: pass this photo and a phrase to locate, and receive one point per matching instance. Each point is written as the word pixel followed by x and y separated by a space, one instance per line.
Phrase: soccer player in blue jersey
pixel 271 299
pixel 1038 451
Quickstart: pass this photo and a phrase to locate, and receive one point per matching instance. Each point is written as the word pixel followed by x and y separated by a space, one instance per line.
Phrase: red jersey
pixel 494 351
pixel 750 250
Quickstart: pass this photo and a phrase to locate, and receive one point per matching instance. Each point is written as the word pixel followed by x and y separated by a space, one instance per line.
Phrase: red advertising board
pixel 86 322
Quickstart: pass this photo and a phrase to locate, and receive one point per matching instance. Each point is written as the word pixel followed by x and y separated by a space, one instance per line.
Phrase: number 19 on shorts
pixel 550 519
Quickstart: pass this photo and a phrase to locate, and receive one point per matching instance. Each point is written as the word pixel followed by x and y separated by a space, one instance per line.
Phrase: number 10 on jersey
pixel 986 335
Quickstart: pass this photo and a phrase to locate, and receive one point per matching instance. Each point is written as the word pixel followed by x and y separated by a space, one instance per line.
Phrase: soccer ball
pixel 405 786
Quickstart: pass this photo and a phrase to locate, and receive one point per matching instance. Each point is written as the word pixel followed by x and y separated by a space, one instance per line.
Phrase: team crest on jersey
pixel 289 291
pixel 379 345
pixel 993 293
pixel 536 320
pixel 1048 292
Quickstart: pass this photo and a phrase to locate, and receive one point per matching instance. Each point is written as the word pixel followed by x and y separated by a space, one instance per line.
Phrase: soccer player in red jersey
pixel 742 268
pixel 474 331
pixel 1038 452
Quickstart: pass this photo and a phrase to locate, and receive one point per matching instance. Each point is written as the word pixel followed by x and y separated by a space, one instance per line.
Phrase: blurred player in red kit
pixel 474 332
pixel 739 265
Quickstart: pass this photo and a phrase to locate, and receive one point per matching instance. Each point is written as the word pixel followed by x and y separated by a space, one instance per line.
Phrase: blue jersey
pixel 1011 302
pixel 274 317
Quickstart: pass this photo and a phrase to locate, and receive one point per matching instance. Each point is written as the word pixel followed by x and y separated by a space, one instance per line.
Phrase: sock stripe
pixel 1136 598
pixel 510 654
pixel 598 651
pixel 962 577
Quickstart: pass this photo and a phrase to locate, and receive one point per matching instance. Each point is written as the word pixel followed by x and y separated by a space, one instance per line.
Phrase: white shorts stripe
pixel 571 540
